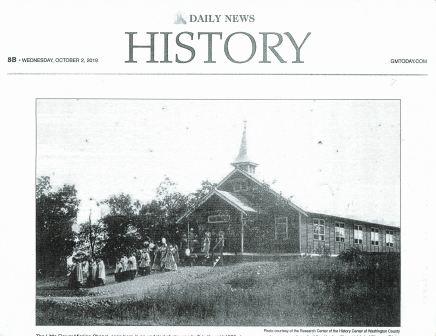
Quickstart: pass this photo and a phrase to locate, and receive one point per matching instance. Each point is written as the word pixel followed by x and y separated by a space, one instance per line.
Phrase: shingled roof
pixel 234 200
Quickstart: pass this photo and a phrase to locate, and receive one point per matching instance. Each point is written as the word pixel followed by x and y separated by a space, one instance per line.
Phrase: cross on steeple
pixel 242 161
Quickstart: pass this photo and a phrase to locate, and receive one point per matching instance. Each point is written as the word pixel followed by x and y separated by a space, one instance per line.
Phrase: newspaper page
pixel 217 169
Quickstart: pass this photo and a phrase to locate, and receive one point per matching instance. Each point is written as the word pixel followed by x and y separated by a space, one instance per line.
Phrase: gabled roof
pixel 234 200
pixel 264 185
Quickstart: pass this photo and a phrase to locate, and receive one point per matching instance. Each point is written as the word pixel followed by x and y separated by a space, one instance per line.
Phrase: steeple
pixel 242 161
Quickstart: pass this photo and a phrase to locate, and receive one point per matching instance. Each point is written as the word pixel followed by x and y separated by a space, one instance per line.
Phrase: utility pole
pixel 188 237
pixel 91 243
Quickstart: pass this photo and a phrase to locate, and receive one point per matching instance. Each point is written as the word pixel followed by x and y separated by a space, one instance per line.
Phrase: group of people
pixel 125 268
pixel 87 272
pixel 211 248
pixel 165 256
pixel 153 257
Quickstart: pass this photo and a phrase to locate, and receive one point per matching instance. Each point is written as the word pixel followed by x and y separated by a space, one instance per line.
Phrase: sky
pixel 338 157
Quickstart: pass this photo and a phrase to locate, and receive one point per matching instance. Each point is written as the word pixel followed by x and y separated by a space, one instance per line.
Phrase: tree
pixel 121 205
pixel 205 189
pixel 169 205
pixel 129 223
pixel 91 237
pixel 119 225
pixel 43 186
pixel 173 205
pixel 150 221
pixel 56 212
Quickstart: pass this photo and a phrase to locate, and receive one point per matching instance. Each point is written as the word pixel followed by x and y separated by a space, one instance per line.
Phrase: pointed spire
pixel 243 156
pixel 242 161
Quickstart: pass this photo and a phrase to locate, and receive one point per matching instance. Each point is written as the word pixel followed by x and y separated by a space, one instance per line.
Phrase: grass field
pixel 297 292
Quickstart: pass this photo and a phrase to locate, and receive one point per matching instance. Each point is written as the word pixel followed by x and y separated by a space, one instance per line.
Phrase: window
pixel 339 232
pixel 389 238
pixel 318 229
pixel 281 227
pixel 358 234
pixel 374 236
pixel 222 218
pixel 239 186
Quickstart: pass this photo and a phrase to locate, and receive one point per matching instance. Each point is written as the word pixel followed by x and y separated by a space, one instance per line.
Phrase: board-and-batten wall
pixel 309 245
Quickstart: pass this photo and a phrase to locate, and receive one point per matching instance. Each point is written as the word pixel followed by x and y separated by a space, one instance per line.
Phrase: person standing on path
pixel 206 245
pixel 101 272
pixel 132 266
pixel 144 264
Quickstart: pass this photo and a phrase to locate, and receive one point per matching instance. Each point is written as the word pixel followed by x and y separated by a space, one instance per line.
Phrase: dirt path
pixel 156 282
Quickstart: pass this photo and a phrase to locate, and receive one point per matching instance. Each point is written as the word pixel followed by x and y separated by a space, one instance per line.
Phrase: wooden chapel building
pixel 256 219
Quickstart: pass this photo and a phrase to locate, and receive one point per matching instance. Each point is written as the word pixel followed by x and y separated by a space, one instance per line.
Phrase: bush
pixel 352 254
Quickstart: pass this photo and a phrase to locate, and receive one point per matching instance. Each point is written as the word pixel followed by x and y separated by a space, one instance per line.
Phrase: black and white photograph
pixel 218 212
